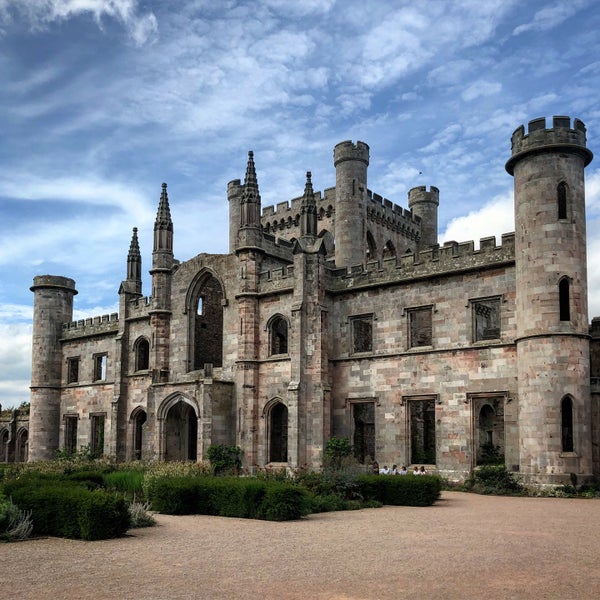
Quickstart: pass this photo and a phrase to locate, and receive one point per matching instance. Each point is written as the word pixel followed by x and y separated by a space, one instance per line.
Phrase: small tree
pixel 224 459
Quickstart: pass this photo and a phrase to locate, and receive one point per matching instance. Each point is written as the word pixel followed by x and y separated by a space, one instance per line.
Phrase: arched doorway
pixel 22 445
pixel 490 432
pixel 181 432
pixel 278 433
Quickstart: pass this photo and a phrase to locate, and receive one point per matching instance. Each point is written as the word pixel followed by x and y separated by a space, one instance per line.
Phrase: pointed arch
pixel 141 350
pixel 276 414
pixel 22 447
pixel 389 250
pixel 138 420
pixel 205 326
pixel 328 241
pixel 178 428
pixel 278 328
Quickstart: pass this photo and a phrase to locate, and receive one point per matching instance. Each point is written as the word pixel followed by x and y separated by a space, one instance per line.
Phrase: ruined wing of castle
pixel 339 314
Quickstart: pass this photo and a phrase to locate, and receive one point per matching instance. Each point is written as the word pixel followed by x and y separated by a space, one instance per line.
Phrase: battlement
pixel 561 137
pixel 348 150
pixel 386 209
pixel 420 194
pixel 277 279
pixel 452 257
pixel 91 326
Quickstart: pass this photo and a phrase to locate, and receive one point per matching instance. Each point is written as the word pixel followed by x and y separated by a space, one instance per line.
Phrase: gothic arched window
pixel 279 335
pixel 142 354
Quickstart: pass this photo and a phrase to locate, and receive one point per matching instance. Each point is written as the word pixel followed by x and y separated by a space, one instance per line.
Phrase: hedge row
pixel 229 497
pixel 64 508
pixel 398 490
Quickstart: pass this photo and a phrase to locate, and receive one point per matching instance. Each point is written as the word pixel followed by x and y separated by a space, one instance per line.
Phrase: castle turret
pixel 52 306
pixel 424 204
pixel 351 162
pixel 551 300
pixel 250 231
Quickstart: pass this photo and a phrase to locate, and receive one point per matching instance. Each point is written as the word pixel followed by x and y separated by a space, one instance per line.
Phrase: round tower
pixel 234 195
pixel 351 162
pixel 52 306
pixel 424 204
pixel 551 300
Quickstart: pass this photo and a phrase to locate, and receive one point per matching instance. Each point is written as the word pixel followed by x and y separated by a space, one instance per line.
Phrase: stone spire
pixel 134 262
pixel 308 218
pixel 250 203
pixel 162 256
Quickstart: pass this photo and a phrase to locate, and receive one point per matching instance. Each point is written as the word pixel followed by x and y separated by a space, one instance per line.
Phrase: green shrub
pixel 401 490
pixel 15 524
pixel 285 502
pixel 493 479
pixel 336 450
pixel 139 515
pixel 179 496
pixel 67 509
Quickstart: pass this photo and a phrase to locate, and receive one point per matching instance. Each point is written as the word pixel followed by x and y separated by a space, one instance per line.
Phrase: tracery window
pixel 486 319
pixel 362 333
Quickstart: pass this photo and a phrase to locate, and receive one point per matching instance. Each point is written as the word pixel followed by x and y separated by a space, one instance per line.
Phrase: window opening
pixel 564 300
pixel 420 327
pixel 486 319
pixel 73 370
pixel 138 434
pixel 362 333
pixel 100 367
pixel 363 439
pixel 566 414
pixel 279 336
pixel 97 435
pixel 278 446
pixel 561 192
pixel 70 434
pixel 142 355
pixel 422 431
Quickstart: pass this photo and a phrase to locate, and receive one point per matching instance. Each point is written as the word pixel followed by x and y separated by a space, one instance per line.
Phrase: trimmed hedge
pixel 401 490
pixel 68 509
pixel 229 497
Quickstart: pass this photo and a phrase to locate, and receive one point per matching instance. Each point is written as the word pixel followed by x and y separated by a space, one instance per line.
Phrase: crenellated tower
pixel 551 299
pixel 424 204
pixel 351 162
pixel 52 306
pixel 162 273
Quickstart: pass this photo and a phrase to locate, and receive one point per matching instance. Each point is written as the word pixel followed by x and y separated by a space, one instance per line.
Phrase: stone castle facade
pixel 339 314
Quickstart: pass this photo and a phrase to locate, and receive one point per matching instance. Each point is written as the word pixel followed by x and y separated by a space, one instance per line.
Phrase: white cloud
pixel 481 88
pixel 15 358
pixel 551 16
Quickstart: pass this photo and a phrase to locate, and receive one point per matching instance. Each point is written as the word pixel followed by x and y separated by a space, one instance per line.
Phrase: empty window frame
pixel 420 331
pixel 142 354
pixel 279 336
pixel 100 367
pixel 70 434
pixel 561 198
pixel 362 333
pixel 566 419
pixel 73 369
pixel 421 415
pixel 97 434
pixel 486 318
pixel 564 299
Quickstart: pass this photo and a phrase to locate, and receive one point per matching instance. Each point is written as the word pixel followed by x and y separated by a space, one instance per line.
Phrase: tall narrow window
pixel 142 354
pixel 486 319
pixel 566 418
pixel 422 431
pixel 362 333
pixel 279 336
pixel 419 327
pixel 100 367
pixel 564 299
pixel 70 434
pixel 561 193
pixel 363 440
pixel 278 449
pixel 73 369
pixel 97 435
pixel 371 247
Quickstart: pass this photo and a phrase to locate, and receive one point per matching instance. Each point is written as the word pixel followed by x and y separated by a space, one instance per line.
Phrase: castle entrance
pixel 488 429
pixel 181 433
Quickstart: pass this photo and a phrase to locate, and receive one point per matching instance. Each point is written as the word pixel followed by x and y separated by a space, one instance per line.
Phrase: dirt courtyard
pixel 465 546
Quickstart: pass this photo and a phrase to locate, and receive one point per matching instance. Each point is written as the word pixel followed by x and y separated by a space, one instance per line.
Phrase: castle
pixel 339 314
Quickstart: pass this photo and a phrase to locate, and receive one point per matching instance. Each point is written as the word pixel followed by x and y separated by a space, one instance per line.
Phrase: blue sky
pixel 103 100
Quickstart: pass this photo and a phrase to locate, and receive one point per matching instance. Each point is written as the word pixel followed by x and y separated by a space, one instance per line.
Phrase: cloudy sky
pixel 103 100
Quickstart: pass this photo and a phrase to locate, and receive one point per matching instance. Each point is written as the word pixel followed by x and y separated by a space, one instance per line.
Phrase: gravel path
pixel 466 546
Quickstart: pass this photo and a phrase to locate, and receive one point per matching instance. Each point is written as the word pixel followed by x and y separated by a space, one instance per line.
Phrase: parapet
pixel 420 194
pixel 348 150
pixel 53 281
pixel 561 137
pixel 91 326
